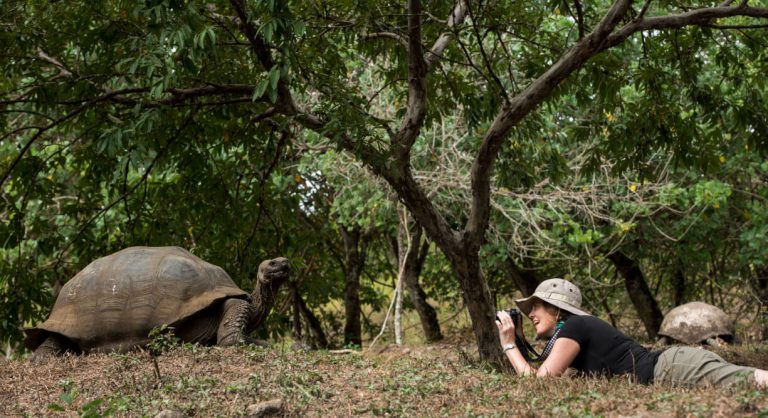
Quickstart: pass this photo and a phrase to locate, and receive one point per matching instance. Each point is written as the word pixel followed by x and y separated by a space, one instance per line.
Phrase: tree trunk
pixel 639 293
pixel 354 254
pixel 525 279
pixel 477 297
pixel 463 252
pixel 296 319
pixel 414 262
pixel 678 286
pixel 404 248
pixel 762 289
pixel 318 339
pixel 398 320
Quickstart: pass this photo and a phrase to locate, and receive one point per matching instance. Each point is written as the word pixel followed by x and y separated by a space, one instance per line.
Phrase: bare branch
pixel 579 18
pixel 17 130
pixel 47 58
pixel 458 15
pixel 700 17
pixel 177 96
pixel 644 9
pixel 28 112
pixel 737 26
pixel 263 115
pixel 586 197
pixel 403 42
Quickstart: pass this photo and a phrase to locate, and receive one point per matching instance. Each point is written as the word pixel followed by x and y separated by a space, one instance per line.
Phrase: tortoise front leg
pixel 231 331
pixel 54 345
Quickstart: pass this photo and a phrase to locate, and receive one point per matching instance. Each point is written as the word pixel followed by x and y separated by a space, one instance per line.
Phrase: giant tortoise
pixel 696 323
pixel 114 302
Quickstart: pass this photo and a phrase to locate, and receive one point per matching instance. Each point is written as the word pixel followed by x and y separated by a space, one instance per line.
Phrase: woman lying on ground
pixel 593 347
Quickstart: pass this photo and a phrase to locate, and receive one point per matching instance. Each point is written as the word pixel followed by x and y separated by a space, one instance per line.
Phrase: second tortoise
pixel 696 323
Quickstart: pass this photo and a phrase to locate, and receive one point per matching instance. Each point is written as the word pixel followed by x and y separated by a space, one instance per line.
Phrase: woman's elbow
pixel 547 372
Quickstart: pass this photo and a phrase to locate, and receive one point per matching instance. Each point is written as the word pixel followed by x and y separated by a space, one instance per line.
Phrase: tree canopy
pixel 519 135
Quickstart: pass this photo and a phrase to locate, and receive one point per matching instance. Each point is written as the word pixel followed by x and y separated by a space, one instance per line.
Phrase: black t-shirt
pixel 604 350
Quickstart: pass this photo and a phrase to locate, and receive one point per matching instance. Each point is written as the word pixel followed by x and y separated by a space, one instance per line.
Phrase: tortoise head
pixel 274 272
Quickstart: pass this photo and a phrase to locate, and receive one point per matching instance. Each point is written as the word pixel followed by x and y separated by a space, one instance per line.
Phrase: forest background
pixel 461 151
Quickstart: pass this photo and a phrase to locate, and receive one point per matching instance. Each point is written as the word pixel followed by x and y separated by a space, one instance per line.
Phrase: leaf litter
pixel 436 380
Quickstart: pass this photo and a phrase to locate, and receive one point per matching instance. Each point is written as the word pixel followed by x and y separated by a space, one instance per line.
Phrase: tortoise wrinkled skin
pixel 114 302
pixel 696 322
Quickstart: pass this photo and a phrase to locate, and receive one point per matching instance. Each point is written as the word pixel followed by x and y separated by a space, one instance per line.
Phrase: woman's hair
pixel 559 313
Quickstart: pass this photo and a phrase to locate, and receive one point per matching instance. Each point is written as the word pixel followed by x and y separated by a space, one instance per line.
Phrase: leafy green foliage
pixel 161 122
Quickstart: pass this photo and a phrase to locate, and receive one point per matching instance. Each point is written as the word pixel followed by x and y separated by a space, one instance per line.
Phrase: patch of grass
pixel 423 381
pixel 91 409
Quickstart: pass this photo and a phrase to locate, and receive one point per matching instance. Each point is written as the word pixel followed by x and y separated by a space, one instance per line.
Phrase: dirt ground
pixel 438 380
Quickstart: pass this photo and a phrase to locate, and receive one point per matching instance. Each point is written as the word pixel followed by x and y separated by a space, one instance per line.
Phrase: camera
pixel 514 313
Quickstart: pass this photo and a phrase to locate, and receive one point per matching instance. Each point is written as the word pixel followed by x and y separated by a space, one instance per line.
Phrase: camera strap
pixel 529 354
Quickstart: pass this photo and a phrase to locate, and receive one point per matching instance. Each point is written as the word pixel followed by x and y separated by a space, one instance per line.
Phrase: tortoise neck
pixel 262 300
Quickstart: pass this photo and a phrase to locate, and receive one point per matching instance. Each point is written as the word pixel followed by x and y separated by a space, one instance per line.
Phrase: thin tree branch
pixel 644 9
pixel 64 71
pixel 133 188
pixel 486 61
pixel 458 15
pixel 263 115
pixel 403 42
pixel 726 27
pixel 43 130
pixel 700 17
pixel 579 18
pixel 281 142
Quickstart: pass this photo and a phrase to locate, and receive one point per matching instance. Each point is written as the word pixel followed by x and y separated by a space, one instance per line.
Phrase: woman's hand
pixel 506 328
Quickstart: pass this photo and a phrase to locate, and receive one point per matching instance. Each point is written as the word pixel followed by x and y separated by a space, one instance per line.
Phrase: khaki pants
pixel 689 366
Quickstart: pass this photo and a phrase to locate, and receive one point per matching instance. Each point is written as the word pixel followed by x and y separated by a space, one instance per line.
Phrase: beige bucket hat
pixel 557 292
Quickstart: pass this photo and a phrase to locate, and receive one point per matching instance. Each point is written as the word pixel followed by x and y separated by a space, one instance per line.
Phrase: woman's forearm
pixel 522 367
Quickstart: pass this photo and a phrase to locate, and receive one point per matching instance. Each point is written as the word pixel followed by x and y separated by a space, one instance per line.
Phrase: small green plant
pixel 90 409
pixel 162 340
pixel 67 396
pixel 352 346
pixel 93 409
pixel 193 348
pixel 235 387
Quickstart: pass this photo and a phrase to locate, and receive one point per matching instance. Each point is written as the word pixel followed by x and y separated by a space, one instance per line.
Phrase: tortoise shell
pixel 695 322
pixel 115 301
